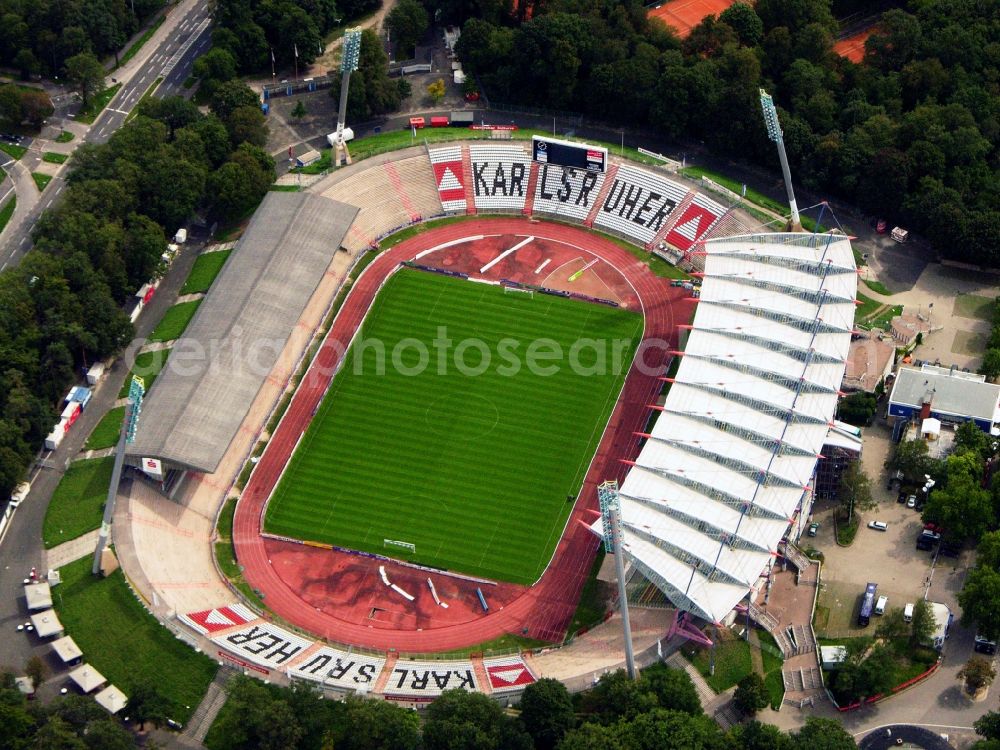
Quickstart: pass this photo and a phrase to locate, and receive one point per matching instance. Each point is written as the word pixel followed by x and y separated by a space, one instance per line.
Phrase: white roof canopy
pixel 66 649
pixel 87 678
pixel 111 699
pixel 732 454
pixel 38 596
pixel 47 624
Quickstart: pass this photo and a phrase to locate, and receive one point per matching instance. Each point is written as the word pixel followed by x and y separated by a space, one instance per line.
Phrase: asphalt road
pixel 173 60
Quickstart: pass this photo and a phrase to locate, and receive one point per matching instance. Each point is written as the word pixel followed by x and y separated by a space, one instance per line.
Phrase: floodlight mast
pixel 607 496
pixel 130 423
pixel 774 133
pixel 348 64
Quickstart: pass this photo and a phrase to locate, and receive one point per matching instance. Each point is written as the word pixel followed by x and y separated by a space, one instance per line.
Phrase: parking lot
pixel 889 558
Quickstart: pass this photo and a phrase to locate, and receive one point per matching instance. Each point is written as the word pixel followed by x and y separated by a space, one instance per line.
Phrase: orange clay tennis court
pixel 853 48
pixel 684 15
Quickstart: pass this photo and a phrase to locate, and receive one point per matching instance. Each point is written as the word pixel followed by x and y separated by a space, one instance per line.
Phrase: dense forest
pixel 659 711
pixel 37 36
pixel 911 134
pixel 61 307
pixel 253 31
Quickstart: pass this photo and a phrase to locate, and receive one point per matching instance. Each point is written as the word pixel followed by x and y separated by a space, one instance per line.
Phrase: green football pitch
pixel 476 471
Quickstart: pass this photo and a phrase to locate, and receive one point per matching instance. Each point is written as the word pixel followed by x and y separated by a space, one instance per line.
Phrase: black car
pixel 950 549
pixel 901 497
pixel 984 645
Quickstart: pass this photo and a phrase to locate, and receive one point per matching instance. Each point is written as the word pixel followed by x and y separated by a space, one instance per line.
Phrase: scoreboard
pixel 569 154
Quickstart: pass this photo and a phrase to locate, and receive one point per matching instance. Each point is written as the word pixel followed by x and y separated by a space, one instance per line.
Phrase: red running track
pixel 542 611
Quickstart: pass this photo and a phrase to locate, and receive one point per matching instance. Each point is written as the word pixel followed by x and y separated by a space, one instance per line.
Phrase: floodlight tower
pixel 136 391
pixel 607 496
pixel 774 133
pixel 348 64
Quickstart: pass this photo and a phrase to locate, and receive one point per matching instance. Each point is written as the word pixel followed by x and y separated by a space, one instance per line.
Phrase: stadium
pixel 411 491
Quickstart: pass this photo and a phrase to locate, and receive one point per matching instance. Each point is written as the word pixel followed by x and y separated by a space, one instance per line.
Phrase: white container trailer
pixel 95 373
pixel 55 438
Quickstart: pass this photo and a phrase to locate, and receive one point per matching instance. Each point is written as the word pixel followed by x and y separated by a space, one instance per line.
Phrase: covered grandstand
pixel 725 474
pixel 200 400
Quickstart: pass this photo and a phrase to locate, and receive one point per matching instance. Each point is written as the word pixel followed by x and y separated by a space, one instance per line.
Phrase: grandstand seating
pixel 499 176
pixel 413 182
pixel 448 175
pixel 220 618
pixel 507 674
pixel 694 222
pixel 638 203
pixel 375 192
pixel 264 644
pixel 336 668
pixel 428 679
pixel 566 192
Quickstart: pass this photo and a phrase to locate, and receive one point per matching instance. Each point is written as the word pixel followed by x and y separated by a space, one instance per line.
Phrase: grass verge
pixel 148 95
pixel 133 50
pixel 6 211
pixel 105 434
pixel 77 503
pixel 14 152
pixel 125 643
pixel 593 599
pixel 54 158
pixel 732 660
pixel 174 321
pixel 41 180
pixel 97 104
pixel 147 366
pixel 878 287
pixel 65 137
pixel 846 531
pixel 204 271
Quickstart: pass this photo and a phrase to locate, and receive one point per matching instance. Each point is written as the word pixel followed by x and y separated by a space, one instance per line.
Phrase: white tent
pixel 111 699
pixel 87 678
pixel 47 624
pixel 67 650
pixel 728 463
pixel 38 596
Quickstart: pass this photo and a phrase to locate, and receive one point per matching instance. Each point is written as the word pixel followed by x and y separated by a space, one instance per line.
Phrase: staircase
pixel 470 188
pixel 609 179
pixel 479 670
pixel 529 199
pixel 397 185
pixel 801 680
pixel 705 694
pixel 390 664
pixel 203 716
pixel 794 555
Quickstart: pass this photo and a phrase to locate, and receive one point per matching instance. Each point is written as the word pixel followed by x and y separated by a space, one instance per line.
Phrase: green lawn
pixel 174 321
pixel 15 152
pixel 866 308
pixel 884 318
pixel 65 137
pixel 732 661
pixel 41 180
pixel 771 656
pixel 6 211
pixel 878 287
pixel 478 472
pixel 974 306
pixel 94 107
pixel 53 157
pixel 204 271
pixel 147 366
pixel 137 45
pixel 78 501
pixel 125 643
pixel 593 599
pixel 105 434
pixel 696 173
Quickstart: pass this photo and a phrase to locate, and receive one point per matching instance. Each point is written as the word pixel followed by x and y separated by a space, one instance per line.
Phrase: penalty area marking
pixel 504 254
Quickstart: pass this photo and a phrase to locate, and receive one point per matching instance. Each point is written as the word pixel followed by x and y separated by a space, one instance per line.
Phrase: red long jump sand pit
pixel 340 596
pixel 684 15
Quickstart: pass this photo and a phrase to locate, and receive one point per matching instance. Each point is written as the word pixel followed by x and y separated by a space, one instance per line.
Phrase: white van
pixel 881 604
pixel 908 612
pixel 181 237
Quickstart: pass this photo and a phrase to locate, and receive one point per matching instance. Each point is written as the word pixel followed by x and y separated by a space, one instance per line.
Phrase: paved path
pixel 72 550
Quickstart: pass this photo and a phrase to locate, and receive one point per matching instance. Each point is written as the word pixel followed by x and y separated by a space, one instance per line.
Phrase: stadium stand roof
pixel 726 466
pixel 193 411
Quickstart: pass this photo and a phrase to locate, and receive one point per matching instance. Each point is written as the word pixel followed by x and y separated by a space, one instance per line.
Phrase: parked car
pixel 878 525
pixel 901 497
pixel 950 549
pixel 813 529
pixel 984 645
pixel 911 501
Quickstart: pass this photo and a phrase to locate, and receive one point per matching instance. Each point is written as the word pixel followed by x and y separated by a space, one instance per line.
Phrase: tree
pixel 822 734
pixel 745 22
pixel 246 125
pixel 751 694
pixel 299 110
pixel 37 670
pixel 661 729
pixel 547 712
pixel 232 95
pixel 978 674
pixel 892 625
pixel 87 75
pixel 616 697
pixel 980 601
pixel 855 491
pixel 26 64
pixel 857 409
pixel 10 105
pixel 911 458
pixel 459 719
pixel 35 107
pixel 107 734
pixel 991 364
pixel 436 90
pixel 147 704
pixel 672 688
pixel 988 725
pixel 923 625
pixel 215 67
pixel 407 23
pixel 377 725
pixel 756 736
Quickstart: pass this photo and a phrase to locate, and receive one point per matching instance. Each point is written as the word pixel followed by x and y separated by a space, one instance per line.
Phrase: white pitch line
pixel 544 263
pixel 504 254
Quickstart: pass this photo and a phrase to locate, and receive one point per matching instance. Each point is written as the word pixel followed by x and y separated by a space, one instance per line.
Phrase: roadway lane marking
pixel 3 266
pixel 118 111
